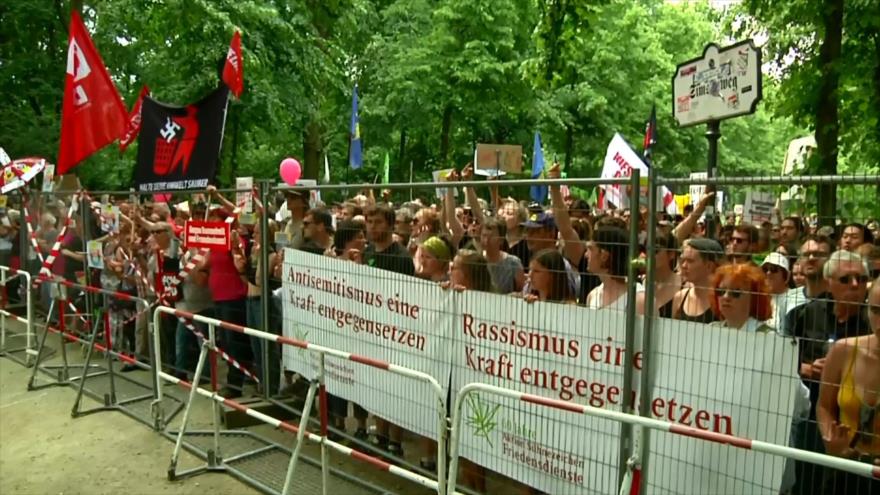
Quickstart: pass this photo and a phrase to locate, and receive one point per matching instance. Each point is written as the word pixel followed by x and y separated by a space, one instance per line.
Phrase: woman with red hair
pixel 741 298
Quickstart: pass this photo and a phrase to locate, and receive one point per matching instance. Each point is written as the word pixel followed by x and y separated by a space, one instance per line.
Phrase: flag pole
pixel 410 180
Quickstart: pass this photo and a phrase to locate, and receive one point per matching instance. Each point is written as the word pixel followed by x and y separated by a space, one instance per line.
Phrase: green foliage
pixel 435 77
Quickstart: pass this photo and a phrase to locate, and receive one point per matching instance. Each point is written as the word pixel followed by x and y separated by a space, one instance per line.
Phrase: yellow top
pixel 853 412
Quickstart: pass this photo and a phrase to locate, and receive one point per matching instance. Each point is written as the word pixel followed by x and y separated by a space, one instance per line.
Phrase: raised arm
pixel 471 194
pixel 683 230
pixel 229 206
pixel 452 224
pixel 572 247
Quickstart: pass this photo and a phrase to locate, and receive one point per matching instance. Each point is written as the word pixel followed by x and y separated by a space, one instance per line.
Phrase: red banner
pixel 207 235
pixel 134 121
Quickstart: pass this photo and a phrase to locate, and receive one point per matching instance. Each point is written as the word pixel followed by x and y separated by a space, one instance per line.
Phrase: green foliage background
pixel 437 76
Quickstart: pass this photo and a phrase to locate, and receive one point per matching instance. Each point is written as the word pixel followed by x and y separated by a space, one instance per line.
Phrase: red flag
pixel 134 121
pixel 233 71
pixel 93 114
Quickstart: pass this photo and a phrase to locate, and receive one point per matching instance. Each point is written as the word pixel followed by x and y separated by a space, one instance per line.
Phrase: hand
pixel 240 262
pixel 354 254
pixel 704 201
pixel 386 195
pixel 453 176
pixel 467 173
pixel 555 171
pixel 211 190
pixel 818 366
pixel 837 439
pixel 530 298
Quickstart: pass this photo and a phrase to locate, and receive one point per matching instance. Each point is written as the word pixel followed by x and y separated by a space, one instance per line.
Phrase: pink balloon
pixel 290 171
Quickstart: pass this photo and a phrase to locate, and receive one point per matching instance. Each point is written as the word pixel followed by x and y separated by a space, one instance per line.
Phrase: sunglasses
pixel 738 240
pixel 815 254
pixel 874 310
pixel 771 269
pixel 848 279
pixel 159 231
pixel 731 293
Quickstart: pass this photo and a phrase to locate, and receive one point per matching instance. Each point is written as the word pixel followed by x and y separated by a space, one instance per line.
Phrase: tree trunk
pixel 444 135
pixel 569 145
pixel 311 150
pixel 401 151
pixel 827 122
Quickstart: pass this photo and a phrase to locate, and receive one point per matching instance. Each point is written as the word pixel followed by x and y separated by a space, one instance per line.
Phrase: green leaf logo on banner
pixel 482 417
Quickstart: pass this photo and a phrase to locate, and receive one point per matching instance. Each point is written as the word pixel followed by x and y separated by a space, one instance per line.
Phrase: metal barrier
pixel 110 399
pixel 215 459
pixel 28 349
pixel 630 485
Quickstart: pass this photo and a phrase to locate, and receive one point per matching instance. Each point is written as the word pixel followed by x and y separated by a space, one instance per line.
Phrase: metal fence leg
pixel 172 468
pixel 324 411
pixel 214 456
pixel 40 347
pixel 108 341
pixel 300 437
pixel 82 382
pixel 62 326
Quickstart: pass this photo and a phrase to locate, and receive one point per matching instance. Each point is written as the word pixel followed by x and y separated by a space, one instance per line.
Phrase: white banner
pixel 759 207
pixel 373 313
pixel 620 160
pixel 708 378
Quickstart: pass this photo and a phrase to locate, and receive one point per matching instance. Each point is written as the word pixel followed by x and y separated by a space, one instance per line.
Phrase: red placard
pixel 207 235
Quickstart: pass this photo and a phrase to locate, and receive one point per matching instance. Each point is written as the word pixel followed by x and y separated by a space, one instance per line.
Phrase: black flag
pixel 179 147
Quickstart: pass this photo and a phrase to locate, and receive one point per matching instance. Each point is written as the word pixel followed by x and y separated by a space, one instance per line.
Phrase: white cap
pixel 778 260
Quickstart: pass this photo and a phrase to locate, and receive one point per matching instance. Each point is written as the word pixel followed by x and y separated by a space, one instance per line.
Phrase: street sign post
pixel 722 83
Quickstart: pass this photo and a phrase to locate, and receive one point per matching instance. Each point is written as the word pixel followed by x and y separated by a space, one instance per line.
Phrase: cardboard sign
pixel 505 157
pixel 207 235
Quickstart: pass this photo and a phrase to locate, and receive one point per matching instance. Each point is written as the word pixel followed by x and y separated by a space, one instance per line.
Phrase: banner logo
pixel 481 417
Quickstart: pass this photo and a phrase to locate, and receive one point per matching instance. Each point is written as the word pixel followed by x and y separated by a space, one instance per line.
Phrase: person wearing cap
pixel 298 204
pixel 317 231
pixel 777 272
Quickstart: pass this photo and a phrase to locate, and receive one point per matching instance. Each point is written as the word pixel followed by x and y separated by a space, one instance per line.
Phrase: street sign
pixel 723 83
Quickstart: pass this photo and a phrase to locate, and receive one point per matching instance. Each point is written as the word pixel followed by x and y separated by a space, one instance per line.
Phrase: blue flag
pixel 538 193
pixel 355 147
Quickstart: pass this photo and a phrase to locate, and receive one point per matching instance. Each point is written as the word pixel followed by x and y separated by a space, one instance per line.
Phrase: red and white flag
pixel 92 115
pixel 133 127
pixel 233 71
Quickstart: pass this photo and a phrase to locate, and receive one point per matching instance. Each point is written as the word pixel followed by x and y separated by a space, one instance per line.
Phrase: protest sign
pixel 443 176
pixel 389 317
pixel 110 219
pixel 96 254
pixel 207 235
pixel 48 177
pixel 244 194
pixel 496 159
pixel 759 207
pixel 620 160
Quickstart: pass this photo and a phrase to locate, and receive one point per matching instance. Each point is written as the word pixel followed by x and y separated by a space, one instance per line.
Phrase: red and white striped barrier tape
pixel 226 357
pixel 46 269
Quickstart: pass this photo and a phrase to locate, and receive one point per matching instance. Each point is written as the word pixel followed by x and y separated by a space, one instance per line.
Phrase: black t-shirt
pixel 71 266
pixel 521 251
pixel 395 259
pixel 311 246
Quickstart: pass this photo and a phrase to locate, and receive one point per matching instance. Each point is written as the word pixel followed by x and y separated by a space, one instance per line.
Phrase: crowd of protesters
pixel 818 285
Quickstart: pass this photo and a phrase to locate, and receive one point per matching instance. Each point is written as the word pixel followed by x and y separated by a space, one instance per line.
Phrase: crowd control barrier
pixel 109 394
pixel 630 485
pixel 26 353
pixel 215 461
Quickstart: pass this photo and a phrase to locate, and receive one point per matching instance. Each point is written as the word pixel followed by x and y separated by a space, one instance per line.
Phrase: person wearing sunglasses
pixel 819 324
pixel 777 272
pixel 742 243
pixel 741 300
pixel 849 403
